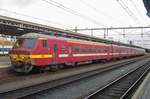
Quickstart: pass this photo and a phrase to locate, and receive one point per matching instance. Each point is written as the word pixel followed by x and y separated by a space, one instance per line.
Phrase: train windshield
pixel 26 43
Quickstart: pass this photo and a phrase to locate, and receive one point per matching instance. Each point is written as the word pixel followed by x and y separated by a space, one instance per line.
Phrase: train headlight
pixel 13 57
pixel 22 57
pixel 26 57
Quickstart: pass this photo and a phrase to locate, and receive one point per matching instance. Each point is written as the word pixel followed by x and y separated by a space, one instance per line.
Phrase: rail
pixel 26 91
pixel 121 87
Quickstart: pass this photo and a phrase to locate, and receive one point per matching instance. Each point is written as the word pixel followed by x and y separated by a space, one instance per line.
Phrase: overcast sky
pixel 93 13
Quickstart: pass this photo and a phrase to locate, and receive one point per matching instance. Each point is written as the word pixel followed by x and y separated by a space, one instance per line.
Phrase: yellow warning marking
pixel 41 56
pixel 16 57
pixel 42 38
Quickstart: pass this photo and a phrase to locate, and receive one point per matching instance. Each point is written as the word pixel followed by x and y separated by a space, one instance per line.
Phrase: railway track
pixel 123 87
pixel 30 90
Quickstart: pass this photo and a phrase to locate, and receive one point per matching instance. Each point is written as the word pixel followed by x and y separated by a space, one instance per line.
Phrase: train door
pixel 55 53
pixel 70 60
pixel 111 51
pixel 45 48
pixel 70 51
pixel 42 52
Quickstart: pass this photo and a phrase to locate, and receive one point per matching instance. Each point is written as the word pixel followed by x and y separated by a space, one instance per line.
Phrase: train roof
pixel 37 35
pixel 72 40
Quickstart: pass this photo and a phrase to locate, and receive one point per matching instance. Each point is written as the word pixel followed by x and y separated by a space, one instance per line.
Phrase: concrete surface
pixel 143 92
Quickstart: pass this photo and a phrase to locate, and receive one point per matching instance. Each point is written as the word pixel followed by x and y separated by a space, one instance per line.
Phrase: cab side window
pixel 44 43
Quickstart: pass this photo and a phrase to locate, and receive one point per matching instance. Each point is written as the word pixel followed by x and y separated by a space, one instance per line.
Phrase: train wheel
pixel 61 66
pixel 54 67
pixel 27 68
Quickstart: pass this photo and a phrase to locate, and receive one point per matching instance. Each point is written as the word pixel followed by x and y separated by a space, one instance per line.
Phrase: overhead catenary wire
pixel 136 8
pixel 69 10
pixel 32 17
pixel 128 11
pixel 101 12
pixel 124 6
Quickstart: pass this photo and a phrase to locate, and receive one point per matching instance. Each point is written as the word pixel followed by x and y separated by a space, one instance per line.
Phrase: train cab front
pixel 20 55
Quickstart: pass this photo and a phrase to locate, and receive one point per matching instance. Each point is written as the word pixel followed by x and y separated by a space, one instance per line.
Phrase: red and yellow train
pixel 50 52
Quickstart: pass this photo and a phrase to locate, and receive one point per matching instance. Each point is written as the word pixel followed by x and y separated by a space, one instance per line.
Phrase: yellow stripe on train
pixel 41 56
pixel 42 38
pixel 32 56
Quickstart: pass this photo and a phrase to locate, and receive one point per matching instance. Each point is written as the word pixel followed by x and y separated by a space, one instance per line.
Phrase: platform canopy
pixel 16 27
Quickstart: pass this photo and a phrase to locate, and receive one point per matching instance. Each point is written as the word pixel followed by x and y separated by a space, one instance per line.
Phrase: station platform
pixel 143 92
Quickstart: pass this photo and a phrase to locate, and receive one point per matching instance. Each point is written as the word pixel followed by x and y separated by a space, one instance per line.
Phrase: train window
pixel 44 43
pixel 55 48
pixel 101 50
pixel 63 49
pixel 105 50
pixel 27 43
pixel 76 49
pixel 70 50
pixel 84 50
pixel 18 43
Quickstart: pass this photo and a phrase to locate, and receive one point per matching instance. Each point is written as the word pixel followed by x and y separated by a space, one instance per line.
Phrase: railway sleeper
pixel 119 89
pixel 115 91
pixel 110 96
pixel 102 97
